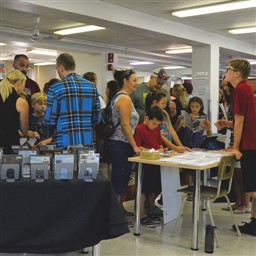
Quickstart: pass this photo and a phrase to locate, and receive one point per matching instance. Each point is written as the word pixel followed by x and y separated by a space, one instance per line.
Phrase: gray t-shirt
pixel 139 96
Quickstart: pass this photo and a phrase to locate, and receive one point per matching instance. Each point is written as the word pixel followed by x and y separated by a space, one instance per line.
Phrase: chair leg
pixel 232 214
pixel 156 201
pixel 212 222
pixel 179 216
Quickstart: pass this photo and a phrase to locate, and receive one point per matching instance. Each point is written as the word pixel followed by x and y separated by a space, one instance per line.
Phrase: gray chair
pixel 210 194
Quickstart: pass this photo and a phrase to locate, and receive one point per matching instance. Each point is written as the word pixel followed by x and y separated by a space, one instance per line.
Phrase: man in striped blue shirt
pixel 73 106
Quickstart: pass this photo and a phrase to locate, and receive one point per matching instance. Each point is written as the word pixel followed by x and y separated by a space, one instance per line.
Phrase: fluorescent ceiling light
pixel 44 63
pixel 1 44
pixel 4 58
pixel 253 62
pixel 42 52
pixel 215 8
pixel 243 30
pixel 141 63
pixel 76 30
pixel 173 67
pixel 177 51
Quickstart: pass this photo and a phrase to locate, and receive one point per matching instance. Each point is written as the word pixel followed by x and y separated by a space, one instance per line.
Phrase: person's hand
pixel 237 154
pixel 220 124
pixel 32 134
pixel 188 149
pixel 206 125
pixel 229 149
pixel 137 150
pixel 181 149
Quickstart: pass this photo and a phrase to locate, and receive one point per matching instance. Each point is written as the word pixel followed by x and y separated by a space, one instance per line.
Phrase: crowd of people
pixel 145 115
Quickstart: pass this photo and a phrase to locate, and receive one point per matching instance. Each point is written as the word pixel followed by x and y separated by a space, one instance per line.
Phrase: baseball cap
pixel 161 75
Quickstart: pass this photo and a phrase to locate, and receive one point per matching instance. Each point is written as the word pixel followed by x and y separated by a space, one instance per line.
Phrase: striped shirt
pixel 73 110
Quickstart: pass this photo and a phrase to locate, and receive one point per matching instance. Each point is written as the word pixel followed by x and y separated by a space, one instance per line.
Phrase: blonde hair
pixel 8 83
pixel 181 95
pixel 39 97
pixel 243 66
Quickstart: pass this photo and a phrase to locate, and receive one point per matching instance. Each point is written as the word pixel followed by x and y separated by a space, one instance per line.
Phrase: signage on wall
pixel 110 57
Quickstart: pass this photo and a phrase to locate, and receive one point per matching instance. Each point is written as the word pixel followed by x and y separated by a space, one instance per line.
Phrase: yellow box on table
pixel 150 155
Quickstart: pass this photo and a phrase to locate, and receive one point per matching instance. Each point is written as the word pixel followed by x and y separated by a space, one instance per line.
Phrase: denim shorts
pixel 119 152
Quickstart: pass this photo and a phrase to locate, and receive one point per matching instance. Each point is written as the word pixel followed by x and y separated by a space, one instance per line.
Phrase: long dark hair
pixel 113 89
pixel 199 101
pixel 153 96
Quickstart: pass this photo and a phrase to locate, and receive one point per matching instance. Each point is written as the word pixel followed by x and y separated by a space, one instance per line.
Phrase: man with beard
pixel 21 62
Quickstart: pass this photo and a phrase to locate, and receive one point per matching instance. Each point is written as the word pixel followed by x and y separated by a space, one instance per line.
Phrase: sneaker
pixel 189 199
pixel 247 228
pixel 234 207
pixel 155 219
pixel 128 215
pixel 242 210
pixel 146 222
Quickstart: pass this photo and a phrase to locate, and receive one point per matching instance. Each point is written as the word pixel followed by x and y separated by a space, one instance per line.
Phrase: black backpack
pixel 105 128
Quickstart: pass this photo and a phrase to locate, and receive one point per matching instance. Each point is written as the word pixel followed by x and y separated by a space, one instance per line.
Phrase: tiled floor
pixel 158 241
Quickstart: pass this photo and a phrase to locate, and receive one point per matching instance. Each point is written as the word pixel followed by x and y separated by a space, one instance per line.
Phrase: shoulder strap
pixel 112 104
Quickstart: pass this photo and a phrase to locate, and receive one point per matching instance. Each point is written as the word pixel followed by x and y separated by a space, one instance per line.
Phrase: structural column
pixel 205 79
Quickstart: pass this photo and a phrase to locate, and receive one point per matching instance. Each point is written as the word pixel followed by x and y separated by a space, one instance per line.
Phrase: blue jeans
pixel 119 152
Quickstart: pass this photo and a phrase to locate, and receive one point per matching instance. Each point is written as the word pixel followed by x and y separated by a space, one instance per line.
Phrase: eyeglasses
pixel 235 70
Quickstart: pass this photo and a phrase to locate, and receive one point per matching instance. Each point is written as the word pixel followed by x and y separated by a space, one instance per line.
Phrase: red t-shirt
pixel 147 138
pixel 244 104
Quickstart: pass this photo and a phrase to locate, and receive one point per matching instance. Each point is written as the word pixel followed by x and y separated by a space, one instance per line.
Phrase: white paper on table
pixel 194 158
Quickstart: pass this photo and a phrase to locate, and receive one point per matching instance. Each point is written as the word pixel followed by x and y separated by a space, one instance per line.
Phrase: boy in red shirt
pixel 244 147
pixel 147 136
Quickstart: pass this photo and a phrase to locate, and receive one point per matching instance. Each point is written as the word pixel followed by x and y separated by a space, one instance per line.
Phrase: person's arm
pixel 172 131
pixel 169 144
pixel 208 127
pixel 238 128
pixel 23 109
pixel 124 107
pixel 222 123
pixel 96 109
pixel 51 112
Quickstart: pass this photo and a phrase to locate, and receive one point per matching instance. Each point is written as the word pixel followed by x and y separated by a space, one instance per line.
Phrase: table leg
pixel 96 250
pixel 170 179
pixel 195 215
pixel 137 201
pixel 205 180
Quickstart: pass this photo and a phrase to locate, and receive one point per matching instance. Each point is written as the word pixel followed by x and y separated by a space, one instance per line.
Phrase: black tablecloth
pixel 58 216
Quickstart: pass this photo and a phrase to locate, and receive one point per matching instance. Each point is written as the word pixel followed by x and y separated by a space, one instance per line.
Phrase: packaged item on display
pixel 25 167
pixel 47 148
pixel 88 166
pixel 76 150
pixel 64 166
pixel 150 154
pixel 40 167
pixel 16 148
pixel 11 167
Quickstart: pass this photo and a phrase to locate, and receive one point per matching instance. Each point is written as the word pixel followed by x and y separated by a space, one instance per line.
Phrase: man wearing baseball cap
pixel 158 78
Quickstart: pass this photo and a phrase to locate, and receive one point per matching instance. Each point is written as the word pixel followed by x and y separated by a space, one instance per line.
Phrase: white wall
pixel 44 74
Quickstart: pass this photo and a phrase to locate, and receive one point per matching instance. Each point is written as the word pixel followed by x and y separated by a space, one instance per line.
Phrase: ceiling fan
pixel 36 36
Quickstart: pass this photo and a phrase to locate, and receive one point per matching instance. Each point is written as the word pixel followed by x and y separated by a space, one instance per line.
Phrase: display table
pixel 170 180
pixel 58 216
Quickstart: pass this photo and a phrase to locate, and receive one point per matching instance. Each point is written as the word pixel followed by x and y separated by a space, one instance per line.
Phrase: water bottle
pixel 209 239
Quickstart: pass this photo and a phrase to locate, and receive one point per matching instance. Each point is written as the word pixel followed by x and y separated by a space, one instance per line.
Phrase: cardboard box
pixel 150 155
